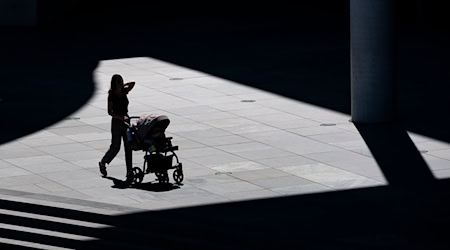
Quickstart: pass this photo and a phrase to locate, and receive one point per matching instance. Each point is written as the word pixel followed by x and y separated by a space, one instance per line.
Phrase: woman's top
pixel 119 104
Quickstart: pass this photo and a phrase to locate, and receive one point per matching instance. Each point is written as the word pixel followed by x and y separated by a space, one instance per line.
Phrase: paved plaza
pixel 235 142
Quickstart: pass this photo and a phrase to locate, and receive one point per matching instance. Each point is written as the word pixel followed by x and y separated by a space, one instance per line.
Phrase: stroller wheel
pixel 178 176
pixel 163 177
pixel 138 175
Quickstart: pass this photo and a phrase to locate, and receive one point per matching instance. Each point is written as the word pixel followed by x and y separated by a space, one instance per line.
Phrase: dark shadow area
pixel 297 50
pixel 369 218
pixel 43 79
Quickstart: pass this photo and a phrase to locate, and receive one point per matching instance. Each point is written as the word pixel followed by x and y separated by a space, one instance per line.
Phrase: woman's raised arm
pixel 128 86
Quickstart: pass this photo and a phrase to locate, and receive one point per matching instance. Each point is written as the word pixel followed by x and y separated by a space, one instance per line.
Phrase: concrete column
pixel 18 12
pixel 372 60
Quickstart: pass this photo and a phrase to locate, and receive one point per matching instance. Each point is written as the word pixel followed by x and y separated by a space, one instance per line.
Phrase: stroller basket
pixel 158 162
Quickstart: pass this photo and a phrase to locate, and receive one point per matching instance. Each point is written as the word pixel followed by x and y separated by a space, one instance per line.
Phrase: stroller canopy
pixel 147 123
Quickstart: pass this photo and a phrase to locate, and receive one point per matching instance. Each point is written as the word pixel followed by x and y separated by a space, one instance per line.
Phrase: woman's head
pixel 116 82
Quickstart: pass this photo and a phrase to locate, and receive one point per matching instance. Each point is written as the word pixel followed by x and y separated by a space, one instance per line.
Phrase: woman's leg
pixel 116 133
pixel 128 151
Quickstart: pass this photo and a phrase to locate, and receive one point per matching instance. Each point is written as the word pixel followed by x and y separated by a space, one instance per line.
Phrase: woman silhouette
pixel 118 109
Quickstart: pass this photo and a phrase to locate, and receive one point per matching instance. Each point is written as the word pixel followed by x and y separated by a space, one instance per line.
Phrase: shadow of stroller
pixel 157 186
pixel 148 186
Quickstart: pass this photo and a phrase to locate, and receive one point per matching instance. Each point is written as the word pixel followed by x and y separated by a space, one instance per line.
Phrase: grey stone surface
pixel 99 145
pixel 210 180
pixel 291 142
pixel 332 156
pixel 316 130
pixel 13 145
pixel 264 154
pixel 432 145
pixel 19 152
pixel 266 173
pixel 208 132
pixel 221 140
pixel 33 160
pixel 286 161
pixel 180 193
pixel 249 128
pixel 4 164
pixel 443 153
pixel 303 189
pixel 436 163
pixel 330 176
pixel 216 159
pixel 12 171
pixel 85 137
pixel 64 148
pixel 250 195
pixel 237 166
pixel 244 147
pixel 191 126
pixel 230 122
pixel 232 187
pixel 46 141
pixel 80 155
pixel 442 174
pixel 10 182
pixel 196 152
pixel 364 167
pixel 233 106
pixel 199 200
pixel 75 130
pixel 280 182
pixel 258 110
pixel 194 110
pixel 337 137
pixel 50 167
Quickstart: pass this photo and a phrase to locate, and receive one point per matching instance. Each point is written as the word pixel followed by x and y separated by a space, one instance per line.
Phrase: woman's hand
pixel 127 87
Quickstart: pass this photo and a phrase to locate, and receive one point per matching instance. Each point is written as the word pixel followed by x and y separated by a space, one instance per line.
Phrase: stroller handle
pixel 131 117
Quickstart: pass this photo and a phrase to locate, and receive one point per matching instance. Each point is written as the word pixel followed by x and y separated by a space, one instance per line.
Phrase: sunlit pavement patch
pixel 217 116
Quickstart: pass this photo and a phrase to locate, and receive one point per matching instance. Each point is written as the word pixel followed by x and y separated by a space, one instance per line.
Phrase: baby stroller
pixel 147 134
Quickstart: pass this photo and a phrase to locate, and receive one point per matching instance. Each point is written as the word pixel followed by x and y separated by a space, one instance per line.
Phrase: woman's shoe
pixel 103 169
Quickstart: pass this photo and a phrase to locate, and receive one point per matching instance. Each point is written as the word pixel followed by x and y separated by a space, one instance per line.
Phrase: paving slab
pixel 215 159
pixel 303 189
pixel 443 153
pixel 250 195
pixel 223 188
pixel 19 152
pixel 50 167
pixel 237 166
pixel 285 161
pixel 280 182
pixel 258 174
pixel 220 140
